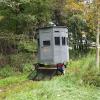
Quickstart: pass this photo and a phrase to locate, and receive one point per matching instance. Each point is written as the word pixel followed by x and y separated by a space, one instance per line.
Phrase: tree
pixel 76 26
pixel 24 16
pixel 16 16
pixel 93 19
pixel 42 11
pixel 58 14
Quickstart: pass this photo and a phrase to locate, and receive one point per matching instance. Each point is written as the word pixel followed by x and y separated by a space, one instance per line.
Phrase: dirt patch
pixel 1 90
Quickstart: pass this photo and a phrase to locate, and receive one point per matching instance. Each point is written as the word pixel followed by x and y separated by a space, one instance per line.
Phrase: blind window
pixel 46 43
pixel 57 40
pixel 63 41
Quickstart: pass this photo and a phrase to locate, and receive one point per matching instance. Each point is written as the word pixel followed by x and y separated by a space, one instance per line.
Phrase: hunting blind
pixel 53 45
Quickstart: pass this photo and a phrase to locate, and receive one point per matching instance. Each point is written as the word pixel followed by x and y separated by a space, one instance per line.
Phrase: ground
pixel 59 88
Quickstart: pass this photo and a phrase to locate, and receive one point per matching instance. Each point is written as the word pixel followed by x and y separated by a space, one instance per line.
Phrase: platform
pixel 47 68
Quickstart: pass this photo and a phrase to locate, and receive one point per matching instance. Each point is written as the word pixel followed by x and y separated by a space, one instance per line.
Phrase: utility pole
pixel 98 37
pixel 97 45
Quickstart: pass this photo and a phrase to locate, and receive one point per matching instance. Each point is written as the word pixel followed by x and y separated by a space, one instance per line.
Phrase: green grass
pixel 58 88
pixel 68 87
pixel 12 79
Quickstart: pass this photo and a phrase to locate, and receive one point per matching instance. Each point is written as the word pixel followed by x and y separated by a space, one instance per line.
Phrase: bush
pixel 6 71
pixel 27 67
pixel 19 60
pixel 27 46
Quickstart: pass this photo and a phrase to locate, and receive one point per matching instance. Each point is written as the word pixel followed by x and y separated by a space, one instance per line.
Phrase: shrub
pixel 19 60
pixel 27 67
pixel 6 71
pixel 27 46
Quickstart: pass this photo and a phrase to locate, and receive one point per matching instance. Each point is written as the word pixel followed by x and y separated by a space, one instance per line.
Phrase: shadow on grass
pixel 43 75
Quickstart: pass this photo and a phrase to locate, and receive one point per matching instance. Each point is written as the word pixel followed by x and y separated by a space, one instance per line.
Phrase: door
pixel 46 48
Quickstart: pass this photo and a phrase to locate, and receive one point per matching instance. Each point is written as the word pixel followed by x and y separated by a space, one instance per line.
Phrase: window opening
pixel 63 41
pixel 46 43
pixel 57 40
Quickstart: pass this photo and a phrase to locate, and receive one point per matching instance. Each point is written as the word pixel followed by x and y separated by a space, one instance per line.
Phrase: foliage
pixel 27 46
pixel 17 61
pixel 42 12
pixel 28 67
pixel 74 7
pixel 76 24
pixel 84 70
pixel 58 14
pixel 23 16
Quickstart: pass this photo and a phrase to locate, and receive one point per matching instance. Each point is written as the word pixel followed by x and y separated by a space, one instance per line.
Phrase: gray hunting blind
pixel 53 45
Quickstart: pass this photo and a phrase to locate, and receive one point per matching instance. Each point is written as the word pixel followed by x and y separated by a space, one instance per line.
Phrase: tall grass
pixel 84 69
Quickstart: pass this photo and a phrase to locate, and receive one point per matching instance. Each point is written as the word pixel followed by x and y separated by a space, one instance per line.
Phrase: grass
pixel 12 79
pixel 59 87
pixel 67 87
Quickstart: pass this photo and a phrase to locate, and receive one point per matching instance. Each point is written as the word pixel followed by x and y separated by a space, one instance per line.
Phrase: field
pixel 66 87
pixel 73 24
